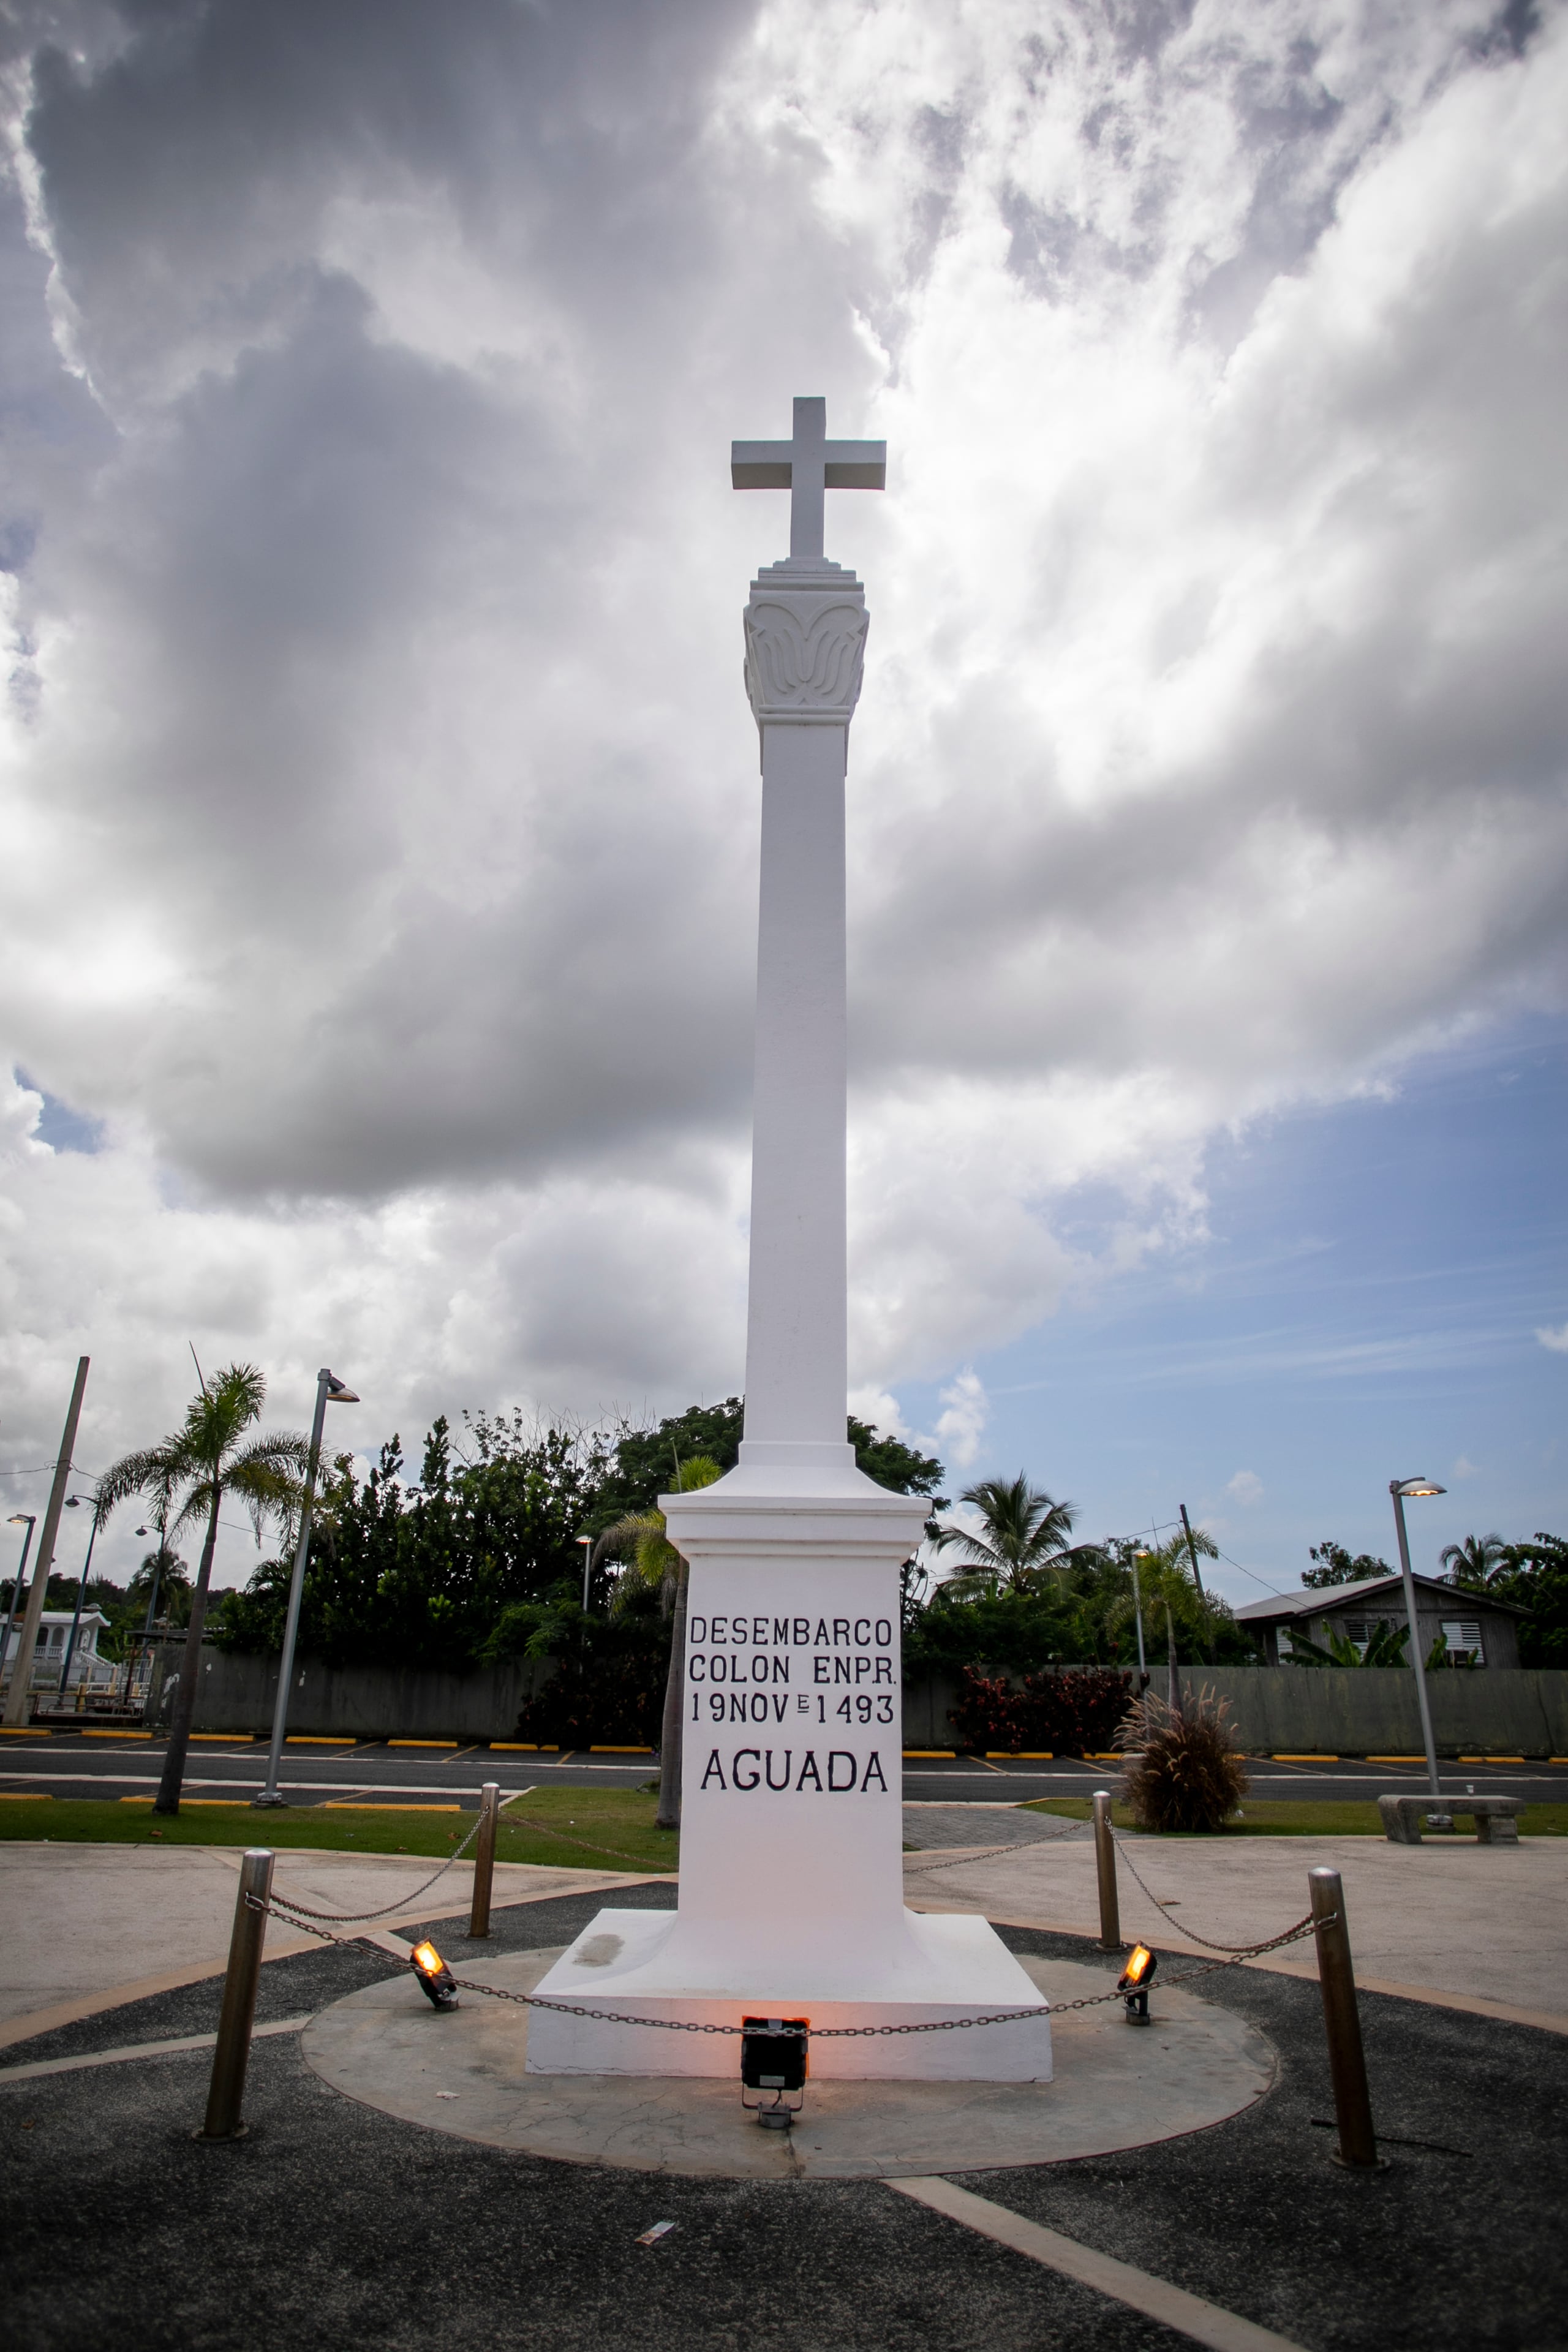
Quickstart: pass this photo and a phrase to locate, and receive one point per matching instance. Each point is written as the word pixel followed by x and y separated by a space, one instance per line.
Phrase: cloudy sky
pixel 379 806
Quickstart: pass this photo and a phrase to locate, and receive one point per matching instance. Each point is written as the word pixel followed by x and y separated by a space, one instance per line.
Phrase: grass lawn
pixel 575 1828
pixel 1304 1817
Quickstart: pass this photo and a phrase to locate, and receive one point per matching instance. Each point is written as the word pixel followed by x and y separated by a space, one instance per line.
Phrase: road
pixel 73 1764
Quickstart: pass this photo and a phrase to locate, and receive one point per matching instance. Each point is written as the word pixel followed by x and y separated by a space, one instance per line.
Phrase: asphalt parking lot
pixel 71 1763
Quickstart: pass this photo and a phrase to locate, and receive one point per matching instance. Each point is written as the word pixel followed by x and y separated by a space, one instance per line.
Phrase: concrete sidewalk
pixel 1448 1915
pixel 85 1923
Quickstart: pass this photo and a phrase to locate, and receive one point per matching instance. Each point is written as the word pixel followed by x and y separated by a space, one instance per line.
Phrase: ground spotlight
pixel 1133 1983
pixel 435 1977
pixel 772 2064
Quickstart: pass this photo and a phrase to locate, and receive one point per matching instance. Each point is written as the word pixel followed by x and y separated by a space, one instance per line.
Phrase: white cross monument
pixel 791 1873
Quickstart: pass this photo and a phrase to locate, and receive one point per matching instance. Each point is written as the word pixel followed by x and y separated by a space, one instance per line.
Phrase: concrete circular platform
pixel 461 2071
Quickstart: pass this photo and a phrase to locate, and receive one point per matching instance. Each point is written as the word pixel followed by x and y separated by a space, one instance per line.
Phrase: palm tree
pixel 1475 1560
pixel 652 1560
pixel 188 1475
pixel 1023 1535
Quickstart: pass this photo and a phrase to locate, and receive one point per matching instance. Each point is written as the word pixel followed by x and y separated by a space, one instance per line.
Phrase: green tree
pixel 1333 1565
pixel 1385 1646
pixel 643 1463
pixel 424 1575
pixel 1023 1539
pixel 654 1564
pixel 1472 1562
pixel 209 1455
pixel 1534 1577
pixel 163 1583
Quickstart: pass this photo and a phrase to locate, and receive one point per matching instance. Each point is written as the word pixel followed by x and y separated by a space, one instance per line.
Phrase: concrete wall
pixel 238 1693
pixel 1362 1711
pixel 1309 1710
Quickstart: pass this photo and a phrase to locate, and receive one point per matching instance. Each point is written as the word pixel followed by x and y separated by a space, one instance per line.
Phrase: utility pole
pixel 18 1703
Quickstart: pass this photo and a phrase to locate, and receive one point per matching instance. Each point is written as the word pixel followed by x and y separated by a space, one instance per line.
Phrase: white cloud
pixel 377 804
pixel 1245 1488
pixel 1465 1468
pixel 961 1425
pixel 1553 1337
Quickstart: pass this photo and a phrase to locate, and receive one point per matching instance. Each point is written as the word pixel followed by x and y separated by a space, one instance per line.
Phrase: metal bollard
pixel 485 1858
pixel 1341 2022
pixel 227 2089
pixel 1105 1871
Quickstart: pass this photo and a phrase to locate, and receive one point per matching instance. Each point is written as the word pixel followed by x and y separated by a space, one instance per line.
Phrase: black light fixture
pixel 772 2064
pixel 1133 1983
pixel 435 1978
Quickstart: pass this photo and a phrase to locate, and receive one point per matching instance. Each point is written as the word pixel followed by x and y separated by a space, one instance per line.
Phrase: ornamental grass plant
pixel 1180 1772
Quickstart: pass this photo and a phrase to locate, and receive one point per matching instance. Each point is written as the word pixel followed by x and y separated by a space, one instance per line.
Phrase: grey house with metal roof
pixel 1479 1630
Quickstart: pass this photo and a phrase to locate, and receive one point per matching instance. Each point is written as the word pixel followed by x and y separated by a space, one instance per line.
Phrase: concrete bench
pixel 1495 1818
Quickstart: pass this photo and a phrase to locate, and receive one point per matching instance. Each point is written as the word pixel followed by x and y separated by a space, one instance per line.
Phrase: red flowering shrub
pixel 1065 1712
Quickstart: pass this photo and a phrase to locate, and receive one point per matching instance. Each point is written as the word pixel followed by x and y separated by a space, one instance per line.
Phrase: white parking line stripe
pixel 137 2049
pixel 1205 2323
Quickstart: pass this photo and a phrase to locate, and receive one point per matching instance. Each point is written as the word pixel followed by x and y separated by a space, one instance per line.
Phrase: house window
pixel 1358 1629
pixel 1463 1636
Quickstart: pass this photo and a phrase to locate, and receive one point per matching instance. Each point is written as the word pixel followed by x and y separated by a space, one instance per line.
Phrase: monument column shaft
pixel 796 1341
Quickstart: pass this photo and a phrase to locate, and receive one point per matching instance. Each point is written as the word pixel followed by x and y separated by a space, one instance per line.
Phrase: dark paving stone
pixel 332 2226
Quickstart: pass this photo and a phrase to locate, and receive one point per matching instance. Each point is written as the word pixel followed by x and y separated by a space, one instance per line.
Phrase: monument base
pixel 641 1964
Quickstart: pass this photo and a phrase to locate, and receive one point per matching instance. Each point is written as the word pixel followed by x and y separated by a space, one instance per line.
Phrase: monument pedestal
pixel 791 1869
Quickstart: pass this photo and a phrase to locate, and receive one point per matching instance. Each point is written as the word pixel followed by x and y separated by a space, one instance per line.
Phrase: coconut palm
pixel 187 1475
pixel 652 1560
pixel 1475 1560
pixel 1023 1536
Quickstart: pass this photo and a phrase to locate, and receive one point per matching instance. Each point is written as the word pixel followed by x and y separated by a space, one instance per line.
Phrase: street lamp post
pixel 74 1502
pixel 1138 1620
pixel 329 1389
pixel 1399 1488
pixel 17 1520
pixel 587 1543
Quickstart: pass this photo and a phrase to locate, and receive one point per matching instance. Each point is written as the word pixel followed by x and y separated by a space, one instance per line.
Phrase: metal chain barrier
pixel 1241 1951
pixel 301 1911
pixel 294 1915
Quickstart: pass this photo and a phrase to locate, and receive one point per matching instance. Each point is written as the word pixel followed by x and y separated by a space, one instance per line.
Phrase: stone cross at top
pixel 806 466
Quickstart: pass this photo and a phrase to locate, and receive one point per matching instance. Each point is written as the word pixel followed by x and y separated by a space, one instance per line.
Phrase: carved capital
pixel 805 644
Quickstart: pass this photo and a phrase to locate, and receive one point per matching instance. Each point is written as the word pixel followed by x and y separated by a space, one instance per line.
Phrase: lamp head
pixel 1413 1486
pixel 21 1520
pixel 1133 1983
pixel 435 1978
pixel 339 1392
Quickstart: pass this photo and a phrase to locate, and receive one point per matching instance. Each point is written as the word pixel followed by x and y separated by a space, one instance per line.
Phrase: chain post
pixel 225 2090
pixel 1105 1871
pixel 1341 2022
pixel 485 1859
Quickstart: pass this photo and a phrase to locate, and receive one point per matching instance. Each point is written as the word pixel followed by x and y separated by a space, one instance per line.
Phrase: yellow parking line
pixel 348 1805
pixel 422 1743
pixel 319 1739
